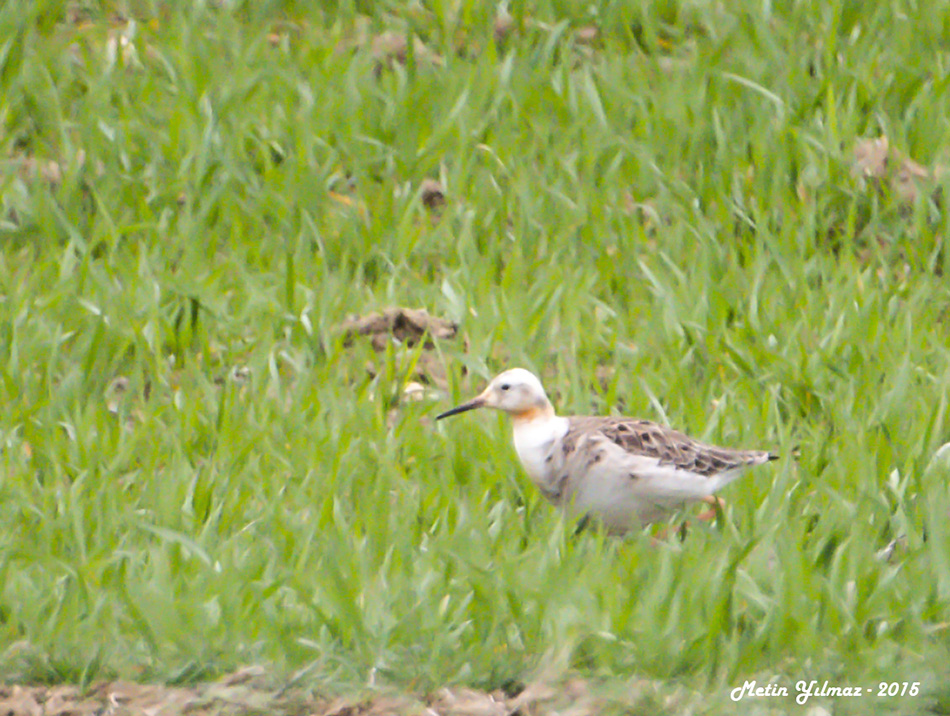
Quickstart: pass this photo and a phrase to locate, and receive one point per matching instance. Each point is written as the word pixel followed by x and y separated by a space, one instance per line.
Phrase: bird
pixel 623 473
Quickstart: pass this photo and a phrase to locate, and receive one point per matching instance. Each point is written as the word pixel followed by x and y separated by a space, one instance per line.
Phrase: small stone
pixel 504 24
pixel 586 35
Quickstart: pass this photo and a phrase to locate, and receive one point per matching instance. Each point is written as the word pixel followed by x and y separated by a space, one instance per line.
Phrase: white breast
pixel 535 442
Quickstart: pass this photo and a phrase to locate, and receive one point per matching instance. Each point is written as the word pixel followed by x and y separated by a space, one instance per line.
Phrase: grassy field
pixel 652 205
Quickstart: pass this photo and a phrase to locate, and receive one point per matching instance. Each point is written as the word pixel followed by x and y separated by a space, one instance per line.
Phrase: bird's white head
pixel 517 391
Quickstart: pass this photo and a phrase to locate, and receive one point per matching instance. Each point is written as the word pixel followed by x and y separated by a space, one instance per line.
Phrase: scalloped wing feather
pixel 669 447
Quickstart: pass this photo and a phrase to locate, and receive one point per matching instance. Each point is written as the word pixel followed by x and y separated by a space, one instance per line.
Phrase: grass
pixel 663 222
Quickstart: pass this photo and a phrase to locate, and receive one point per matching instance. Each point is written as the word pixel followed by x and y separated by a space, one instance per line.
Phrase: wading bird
pixel 622 472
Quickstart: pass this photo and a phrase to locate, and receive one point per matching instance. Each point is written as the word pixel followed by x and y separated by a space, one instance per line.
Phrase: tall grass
pixel 663 222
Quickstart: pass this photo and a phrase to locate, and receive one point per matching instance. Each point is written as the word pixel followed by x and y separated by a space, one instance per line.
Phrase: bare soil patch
pixel 250 691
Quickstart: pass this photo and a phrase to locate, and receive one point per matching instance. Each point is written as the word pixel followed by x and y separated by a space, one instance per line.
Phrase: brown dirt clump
pixel 875 160
pixel 405 325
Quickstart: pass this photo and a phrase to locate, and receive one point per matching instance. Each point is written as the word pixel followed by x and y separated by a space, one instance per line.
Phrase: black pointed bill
pixel 463 408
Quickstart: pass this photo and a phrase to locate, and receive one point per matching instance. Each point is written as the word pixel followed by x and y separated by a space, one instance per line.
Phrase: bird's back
pixel 669 447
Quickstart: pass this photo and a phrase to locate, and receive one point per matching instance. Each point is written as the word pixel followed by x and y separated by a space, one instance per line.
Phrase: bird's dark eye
pixel 505 386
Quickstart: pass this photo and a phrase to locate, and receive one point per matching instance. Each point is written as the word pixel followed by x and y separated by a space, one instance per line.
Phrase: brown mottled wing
pixel 670 447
